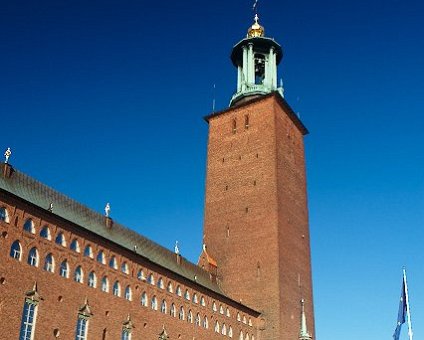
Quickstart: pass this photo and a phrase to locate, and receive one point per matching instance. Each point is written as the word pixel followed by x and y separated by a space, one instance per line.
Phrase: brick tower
pixel 256 215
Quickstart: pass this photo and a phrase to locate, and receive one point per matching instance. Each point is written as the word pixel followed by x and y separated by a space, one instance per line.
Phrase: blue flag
pixel 402 312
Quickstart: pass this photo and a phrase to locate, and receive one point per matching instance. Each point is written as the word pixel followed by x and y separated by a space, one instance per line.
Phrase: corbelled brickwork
pixel 256 216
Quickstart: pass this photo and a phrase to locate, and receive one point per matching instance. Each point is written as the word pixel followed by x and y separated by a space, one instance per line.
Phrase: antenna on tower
pixel 214 98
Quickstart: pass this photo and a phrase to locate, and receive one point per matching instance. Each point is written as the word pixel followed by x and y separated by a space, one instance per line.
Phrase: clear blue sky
pixel 103 100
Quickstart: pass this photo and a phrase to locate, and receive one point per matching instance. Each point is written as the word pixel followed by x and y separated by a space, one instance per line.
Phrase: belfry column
pixel 251 65
pixel 245 73
pixel 273 68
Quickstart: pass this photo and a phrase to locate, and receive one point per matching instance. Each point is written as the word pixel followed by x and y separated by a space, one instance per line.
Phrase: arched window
pixel 238 317
pixel 82 327
pixel 45 233
pixel 116 289
pixel 163 307
pixel 205 322
pixel 228 312
pixel 49 263
pixel 181 314
pixel 33 257
pixel 78 275
pixel 241 337
pixel 187 295
pixel 154 303
pixel 101 257
pixel 216 327
pixel 88 251
pixel 250 322
pixel 244 319
pixel 195 299
pixel 173 311
pixel 75 245
pixel 170 289
pixel 203 301
pixel 221 309
pixel 224 329
pixel 105 284
pixel 92 280
pixel 16 250
pixel 29 226
pixel 197 321
pixel 247 336
pixel 4 215
pixel 124 268
pixel 214 308
pixel 179 292
pixel 151 279
pixel 64 269
pixel 113 263
pixel 60 240
pixel 144 299
pixel 230 332
pixel 160 283
pixel 140 275
pixel 190 317
pixel 128 293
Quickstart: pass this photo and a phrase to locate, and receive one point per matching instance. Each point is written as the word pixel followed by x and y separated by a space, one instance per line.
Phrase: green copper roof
pixel 41 196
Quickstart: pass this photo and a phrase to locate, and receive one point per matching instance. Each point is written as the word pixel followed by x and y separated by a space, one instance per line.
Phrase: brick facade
pixel 256 216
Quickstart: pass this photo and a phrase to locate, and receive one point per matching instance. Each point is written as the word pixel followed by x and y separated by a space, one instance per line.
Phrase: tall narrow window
pixel 197 321
pixel 154 303
pixel 181 314
pixel 29 226
pixel 112 263
pixel 45 233
pixel 144 299
pixel 116 289
pixel 33 257
pixel 205 322
pixel 170 288
pixel 101 257
pixel 92 280
pixel 163 307
pixel 82 328
pixel 78 275
pixel 60 240
pixel 128 293
pixel 28 320
pixel 49 263
pixel 246 122
pixel 234 125
pixel 124 268
pixel 173 311
pixel 127 328
pixel 151 279
pixel 161 284
pixel 16 250
pixel 75 245
pixel 140 275
pixel 88 251
pixel 126 335
pixel 190 317
pixel 187 295
pixel 64 269
pixel 105 284
pixel 4 216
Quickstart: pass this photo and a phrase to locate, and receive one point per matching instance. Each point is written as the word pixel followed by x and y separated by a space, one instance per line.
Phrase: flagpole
pixel 407 305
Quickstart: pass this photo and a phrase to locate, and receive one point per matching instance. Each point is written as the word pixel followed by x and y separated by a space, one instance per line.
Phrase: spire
pixel 303 333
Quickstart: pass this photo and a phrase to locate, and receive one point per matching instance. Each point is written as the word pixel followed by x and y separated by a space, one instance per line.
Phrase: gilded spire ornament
pixel 256 30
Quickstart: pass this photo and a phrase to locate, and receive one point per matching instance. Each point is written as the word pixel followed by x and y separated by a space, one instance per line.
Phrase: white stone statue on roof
pixel 7 154
pixel 176 249
pixel 107 209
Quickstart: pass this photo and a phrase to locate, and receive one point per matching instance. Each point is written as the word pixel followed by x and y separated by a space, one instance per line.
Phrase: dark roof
pixel 285 106
pixel 40 195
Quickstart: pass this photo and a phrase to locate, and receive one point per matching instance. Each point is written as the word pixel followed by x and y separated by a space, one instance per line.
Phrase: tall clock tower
pixel 256 214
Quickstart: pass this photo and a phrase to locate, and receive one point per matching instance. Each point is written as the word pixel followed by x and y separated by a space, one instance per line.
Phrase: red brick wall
pixel 256 221
pixel 63 297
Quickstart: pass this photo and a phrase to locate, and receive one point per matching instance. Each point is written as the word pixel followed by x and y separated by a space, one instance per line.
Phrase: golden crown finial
pixel 256 30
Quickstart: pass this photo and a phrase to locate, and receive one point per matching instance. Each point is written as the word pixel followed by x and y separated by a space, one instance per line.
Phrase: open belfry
pixel 68 272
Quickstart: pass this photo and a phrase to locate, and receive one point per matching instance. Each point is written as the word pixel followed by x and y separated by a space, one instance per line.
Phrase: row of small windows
pixel 64 271
pixel 234 123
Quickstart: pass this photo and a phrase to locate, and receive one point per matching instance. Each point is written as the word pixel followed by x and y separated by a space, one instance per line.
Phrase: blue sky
pixel 103 100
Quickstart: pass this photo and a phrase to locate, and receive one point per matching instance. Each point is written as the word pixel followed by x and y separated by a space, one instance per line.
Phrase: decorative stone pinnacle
pixel 107 209
pixel 7 154
pixel 176 249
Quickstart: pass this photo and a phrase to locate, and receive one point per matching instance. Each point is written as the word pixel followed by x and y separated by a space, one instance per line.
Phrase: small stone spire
pixel 7 154
pixel 303 333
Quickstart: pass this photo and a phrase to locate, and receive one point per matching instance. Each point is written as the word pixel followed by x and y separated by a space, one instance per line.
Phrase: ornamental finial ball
pixel 255 30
